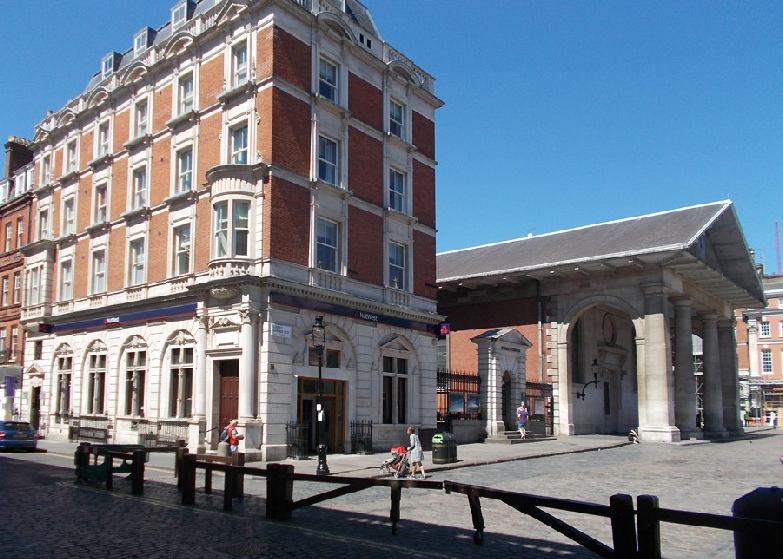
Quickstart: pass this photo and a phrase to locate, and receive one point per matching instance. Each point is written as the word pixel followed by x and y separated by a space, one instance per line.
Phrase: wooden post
pixel 649 527
pixel 623 525
pixel 229 488
pixel 187 479
pixel 181 462
pixel 394 513
pixel 208 478
pixel 108 463
pixel 137 472
pixel 279 491
pixel 476 516
pixel 181 450
pixel 239 482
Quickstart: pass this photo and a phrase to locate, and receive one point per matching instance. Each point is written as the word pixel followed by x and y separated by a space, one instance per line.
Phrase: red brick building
pixel 16 200
pixel 242 169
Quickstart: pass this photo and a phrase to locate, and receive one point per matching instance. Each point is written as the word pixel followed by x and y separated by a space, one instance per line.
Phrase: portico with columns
pixel 613 309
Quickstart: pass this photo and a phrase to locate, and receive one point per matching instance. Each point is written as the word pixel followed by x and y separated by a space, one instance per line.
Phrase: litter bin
pixel 444 448
pixel 763 503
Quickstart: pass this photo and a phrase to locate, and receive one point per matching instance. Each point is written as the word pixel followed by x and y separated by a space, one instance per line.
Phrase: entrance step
pixel 507 437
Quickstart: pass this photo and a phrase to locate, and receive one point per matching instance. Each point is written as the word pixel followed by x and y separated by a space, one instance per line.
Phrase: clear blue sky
pixel 558 114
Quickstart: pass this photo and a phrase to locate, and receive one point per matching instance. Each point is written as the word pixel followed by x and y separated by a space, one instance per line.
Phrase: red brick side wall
pixel 211 77
pixel 290 131
pixel 116 262
pixel 159 175
pixel 161 106
pixel 201 239
pixel 208 147
pixel 81 268
pixel 157 250
pixel 287 236
pixel 365 246
pixel 292 59
pixel 365 101
pixel 365 167
pixel 423 134
pixel 424 265
pixel 423 189
pixel 471 320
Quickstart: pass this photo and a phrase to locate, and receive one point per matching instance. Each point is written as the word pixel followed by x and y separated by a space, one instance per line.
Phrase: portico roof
pixel 704 244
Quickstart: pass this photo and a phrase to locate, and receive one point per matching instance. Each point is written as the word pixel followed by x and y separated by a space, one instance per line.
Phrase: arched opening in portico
pixel 602 387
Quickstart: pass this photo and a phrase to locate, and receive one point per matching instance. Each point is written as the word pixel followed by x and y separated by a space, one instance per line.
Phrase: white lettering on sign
pixel 281 330
pixel 112 320
pixel 366 316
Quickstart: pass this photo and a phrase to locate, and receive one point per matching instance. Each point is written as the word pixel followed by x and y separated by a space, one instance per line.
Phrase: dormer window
pixel 142 40
pixel 180 14
pixel 107 64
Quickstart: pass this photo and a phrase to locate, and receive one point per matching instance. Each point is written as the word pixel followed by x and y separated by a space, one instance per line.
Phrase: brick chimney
pixel 17 154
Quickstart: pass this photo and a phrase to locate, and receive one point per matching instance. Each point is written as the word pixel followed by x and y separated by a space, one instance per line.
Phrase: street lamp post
pixel 319 341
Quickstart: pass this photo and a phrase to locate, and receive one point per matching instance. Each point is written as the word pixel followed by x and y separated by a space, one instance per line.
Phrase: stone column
pixel 656 400
pixel 684 377
pixel 247 386
pixel 712 381
pixel 729 377
pixel 200 404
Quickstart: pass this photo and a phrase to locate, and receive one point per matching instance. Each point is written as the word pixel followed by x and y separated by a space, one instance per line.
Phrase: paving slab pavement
pixel 368 465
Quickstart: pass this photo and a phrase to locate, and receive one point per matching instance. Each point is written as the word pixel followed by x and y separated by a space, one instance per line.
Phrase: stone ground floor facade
pixel 239 352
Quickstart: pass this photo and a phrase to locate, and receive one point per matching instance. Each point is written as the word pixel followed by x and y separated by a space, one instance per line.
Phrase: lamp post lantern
pixel 319 341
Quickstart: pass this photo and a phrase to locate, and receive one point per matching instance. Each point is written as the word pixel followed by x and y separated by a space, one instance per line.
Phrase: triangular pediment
pixel 509 336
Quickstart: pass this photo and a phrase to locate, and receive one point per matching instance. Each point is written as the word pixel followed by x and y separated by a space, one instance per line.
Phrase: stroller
pixel 399 463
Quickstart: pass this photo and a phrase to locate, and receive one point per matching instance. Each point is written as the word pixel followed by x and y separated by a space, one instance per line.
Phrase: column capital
pixel 728 323
pixel 681 301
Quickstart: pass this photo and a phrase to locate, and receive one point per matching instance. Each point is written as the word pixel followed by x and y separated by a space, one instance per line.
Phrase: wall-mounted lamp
pixel 623 372
pixel 594 369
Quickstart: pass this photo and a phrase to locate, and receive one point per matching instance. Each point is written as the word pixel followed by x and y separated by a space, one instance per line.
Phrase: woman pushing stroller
pixel 417 453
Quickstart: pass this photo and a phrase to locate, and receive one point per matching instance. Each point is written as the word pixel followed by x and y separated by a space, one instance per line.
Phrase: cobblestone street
pixel 44 514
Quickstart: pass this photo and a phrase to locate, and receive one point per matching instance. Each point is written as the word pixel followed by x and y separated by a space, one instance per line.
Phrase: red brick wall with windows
pixel 423 134
pixel 162 108
pixel 159 173
pixel 423 189
pixel 365 101
pixel 211 76
pixel 287 221
pixel 85 149
pixel 201 239
pixel 81 268
pixel 120 129
pixel 365 167
pixel 365 246
pixel 291 60
pixel 157 248
pixel 424 275
pixel 116 259
pixel 118 189
pixel 208 148
pixel 289 131
pixel 83 205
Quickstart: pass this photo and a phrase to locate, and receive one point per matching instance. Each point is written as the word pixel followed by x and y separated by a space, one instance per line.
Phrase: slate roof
pixel 354 9
pixel 652 238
